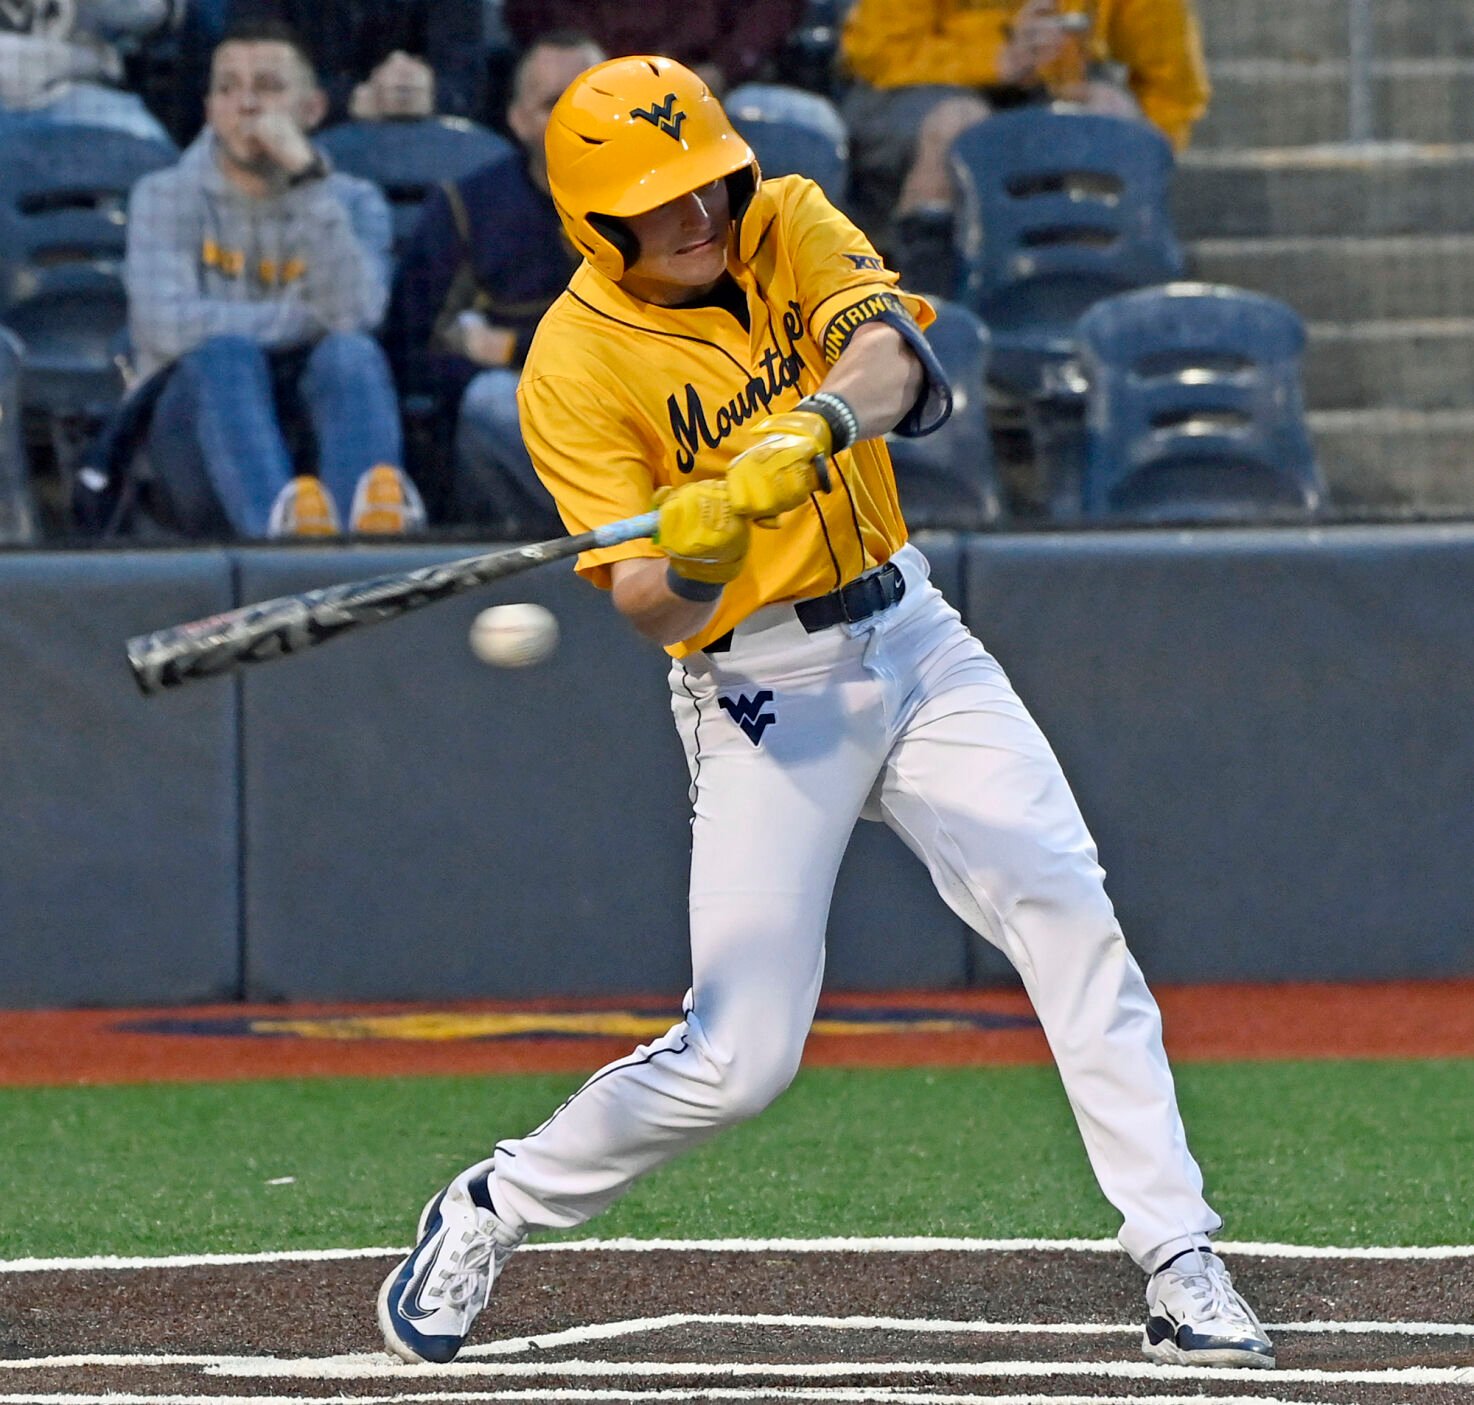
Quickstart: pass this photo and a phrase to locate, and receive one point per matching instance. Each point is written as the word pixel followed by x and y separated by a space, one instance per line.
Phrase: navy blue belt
pixel 864 596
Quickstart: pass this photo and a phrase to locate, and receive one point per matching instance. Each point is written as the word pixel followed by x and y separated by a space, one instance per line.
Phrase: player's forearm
pixel 878 376
pixel 643 597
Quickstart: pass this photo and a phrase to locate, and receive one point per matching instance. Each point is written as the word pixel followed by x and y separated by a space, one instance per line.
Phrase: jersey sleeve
pixel 842 281
pixel 843 284
pixel 596 469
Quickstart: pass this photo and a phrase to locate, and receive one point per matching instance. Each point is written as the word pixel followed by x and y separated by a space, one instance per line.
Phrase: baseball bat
pixel 271 629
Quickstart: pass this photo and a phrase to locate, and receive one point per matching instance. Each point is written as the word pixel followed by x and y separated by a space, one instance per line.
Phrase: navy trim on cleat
pixel 412 1344
pixel 480 1192
pixel 1183 1346
pixel 430 1300
pixel 1196 1318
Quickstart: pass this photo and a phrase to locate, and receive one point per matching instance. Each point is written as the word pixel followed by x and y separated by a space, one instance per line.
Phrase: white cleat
pixel 428 1303
pixel 1196 1318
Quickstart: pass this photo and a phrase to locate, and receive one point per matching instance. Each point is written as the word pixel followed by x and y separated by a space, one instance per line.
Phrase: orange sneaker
pixel 304 509
pixel 386 503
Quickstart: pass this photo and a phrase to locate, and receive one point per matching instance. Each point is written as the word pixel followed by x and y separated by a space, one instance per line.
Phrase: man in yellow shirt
pixel 925 69
pixel 732 350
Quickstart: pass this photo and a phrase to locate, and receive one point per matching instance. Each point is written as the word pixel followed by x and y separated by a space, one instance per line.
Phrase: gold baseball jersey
pixel 620 397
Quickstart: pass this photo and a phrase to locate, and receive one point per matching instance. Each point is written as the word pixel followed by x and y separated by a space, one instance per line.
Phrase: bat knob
pixel 821 467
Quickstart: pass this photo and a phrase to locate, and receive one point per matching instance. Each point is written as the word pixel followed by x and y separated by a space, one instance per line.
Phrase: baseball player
pixel 732 349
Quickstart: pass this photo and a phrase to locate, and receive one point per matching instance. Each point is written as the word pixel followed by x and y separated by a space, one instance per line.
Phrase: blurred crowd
pixel 315 344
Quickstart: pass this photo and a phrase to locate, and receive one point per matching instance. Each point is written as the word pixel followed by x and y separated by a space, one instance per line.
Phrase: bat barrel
pixel 169 658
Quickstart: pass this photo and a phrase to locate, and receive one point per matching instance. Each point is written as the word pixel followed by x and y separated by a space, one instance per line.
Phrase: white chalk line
pixel 827 1395
pixel 897 1245
pixel 377 1362
pixel 368 1367
pixel 605 1331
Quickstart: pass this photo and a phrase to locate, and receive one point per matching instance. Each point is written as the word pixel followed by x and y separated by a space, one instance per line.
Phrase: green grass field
pixel 1306 1152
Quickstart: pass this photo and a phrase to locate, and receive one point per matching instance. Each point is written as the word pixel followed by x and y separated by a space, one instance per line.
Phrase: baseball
pixel 514 636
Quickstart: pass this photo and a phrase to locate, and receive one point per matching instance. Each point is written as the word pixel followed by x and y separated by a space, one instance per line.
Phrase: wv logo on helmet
pixel 662 115
pixel 747 713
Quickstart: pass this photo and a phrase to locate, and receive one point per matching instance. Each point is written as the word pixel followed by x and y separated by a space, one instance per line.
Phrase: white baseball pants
pixel 903 717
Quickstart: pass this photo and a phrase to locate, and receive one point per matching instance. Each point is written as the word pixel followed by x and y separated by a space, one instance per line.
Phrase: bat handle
pixel 626 530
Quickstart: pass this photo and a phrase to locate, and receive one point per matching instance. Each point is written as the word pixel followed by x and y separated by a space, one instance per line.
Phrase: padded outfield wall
pixel 1269 732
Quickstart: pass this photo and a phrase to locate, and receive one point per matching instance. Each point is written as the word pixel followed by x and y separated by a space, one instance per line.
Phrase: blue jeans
pixel 90 105
pixel 216 443
pixel 496 483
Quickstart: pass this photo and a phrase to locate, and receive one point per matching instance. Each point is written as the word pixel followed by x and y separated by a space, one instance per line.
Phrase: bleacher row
pixel 1188 396
pixel 1086 364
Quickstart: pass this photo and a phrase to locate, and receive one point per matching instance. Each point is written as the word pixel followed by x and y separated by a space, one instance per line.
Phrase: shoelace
pixel 464 1273
pixel 1212 1291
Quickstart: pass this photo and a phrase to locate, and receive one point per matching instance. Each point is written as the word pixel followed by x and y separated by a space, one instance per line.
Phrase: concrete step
pixel 1278 102
pixel 1382 189
pixel 1317 29
pixel 1414 365
pixel 1339 279
pixel 1391 458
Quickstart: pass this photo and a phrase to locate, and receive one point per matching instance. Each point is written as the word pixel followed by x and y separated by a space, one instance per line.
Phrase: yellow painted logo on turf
pixel 612 1024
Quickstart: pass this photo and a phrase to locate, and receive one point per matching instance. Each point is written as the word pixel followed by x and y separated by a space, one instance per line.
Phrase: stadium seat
pixel 947 478
pixel 63 225
pixel 405 159
pixel 1057 210
pixel 64 194
pixel 69 321
pixel 794 133
pixel 1195 407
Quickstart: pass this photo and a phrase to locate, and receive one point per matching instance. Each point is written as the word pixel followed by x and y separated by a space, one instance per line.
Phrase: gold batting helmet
pixel 629 135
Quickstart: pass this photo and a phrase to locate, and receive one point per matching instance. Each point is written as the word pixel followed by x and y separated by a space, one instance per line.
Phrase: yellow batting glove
pixel 705 540
pixel 783 467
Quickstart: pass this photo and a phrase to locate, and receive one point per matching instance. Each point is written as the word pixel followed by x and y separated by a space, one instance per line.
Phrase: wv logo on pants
pixel 747 713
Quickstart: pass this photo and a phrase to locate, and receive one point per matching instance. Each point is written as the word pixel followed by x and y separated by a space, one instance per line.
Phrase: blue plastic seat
pixel 70 326
pixel 64 197
pixel 1058 210
pixel 1195 407
pixel 405 159
pixel 793 133
pixel 948 478
pixel 63 227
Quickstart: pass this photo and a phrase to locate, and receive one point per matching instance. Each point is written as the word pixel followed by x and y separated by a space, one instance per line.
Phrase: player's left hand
pixel 785 464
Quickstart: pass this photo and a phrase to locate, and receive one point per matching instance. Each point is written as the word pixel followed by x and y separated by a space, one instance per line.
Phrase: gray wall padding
pixel 1270 734
pixel 118 875
pixel 419 825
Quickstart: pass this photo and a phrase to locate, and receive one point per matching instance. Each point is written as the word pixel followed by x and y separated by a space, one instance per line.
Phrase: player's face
pixel 683 245
pixel 249 81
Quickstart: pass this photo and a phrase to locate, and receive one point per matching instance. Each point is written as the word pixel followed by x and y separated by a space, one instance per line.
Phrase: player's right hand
pixel 783 466
pixel 700 533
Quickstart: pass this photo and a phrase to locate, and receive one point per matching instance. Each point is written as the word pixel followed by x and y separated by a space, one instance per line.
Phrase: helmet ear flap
pixel 620 235
pixel 741 187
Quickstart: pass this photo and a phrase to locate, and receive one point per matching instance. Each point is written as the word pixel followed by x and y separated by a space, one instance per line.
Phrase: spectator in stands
pixel 382 60
pixel 925 69
pixel 64 62
pixel 484 263
pixel 255 278
pixel 726 41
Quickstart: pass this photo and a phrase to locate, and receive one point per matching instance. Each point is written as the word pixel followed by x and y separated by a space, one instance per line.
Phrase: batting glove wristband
pixel 703 537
